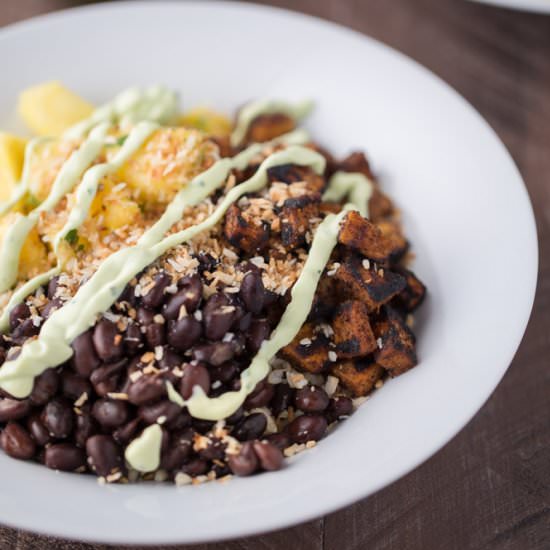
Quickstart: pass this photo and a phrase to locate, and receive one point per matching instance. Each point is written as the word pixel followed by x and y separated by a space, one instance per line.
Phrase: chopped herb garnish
pixel 72 236
pixel 32 201
pixel 120 141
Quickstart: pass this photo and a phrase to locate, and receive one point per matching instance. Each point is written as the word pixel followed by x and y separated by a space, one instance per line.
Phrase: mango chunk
pixel 48 109
pixel 208 121
pixel 12 154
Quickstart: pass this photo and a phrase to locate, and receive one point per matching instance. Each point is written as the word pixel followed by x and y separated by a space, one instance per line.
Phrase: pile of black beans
pixel 195 341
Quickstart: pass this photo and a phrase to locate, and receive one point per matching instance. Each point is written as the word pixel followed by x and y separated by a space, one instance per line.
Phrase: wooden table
pixel 489 487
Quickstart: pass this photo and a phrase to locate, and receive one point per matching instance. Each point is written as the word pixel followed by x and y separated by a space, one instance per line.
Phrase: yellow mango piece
pixel 120 213
pixel 166 162
pixel 48 109
pixel 208 121
pixel 12 154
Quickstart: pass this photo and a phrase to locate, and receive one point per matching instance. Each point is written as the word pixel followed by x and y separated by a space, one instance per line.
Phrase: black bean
pixel 64 456
pixel 244 463
pixel 170 359
pixel 84 359
pixel 311 399
pixel 57 416
pixel 218 316
pixel 338 408
pixel 151 413
pixel 252 292
pixel 260 396
pixel 202 426
pixel 155 297
pixel 207 262
pixel 133 339
pixel 258 332
pixel 50 307
pixel 176 454
pixel 215 353
pixel 271 457
pixel 38 431
pixel 189 296
pixel 110 413
pixel 19 313
pixel 104 455
pixel 17 442
pixel 155 335
pixel 244 322
pixel 24 331
pixel 194 374
pixel 125 433
pixel 280 440
pixel 251 427
pixel 128 295
pixel 195 467
pixel 145 316
pixel 105 378
pixel 225 372
pixel 184 333
pixel 86 426
pixel 283 398
pixel 236 417
pixel 215 450
pixel 73 386
pixel 45 387
pixel 52 287
pixel 13 409
pixel 108 341
pixel 308 427
pixel 147 389
pixel 270 298
pixel 181 421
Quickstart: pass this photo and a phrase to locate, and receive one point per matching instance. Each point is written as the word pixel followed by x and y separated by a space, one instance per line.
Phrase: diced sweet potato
pixel 224 146
pixel 413 294
pixel 356 162
pixel 308 351
pixel 326 298
pixel 247 235
pixel 353 335
pixel 359 381
pixel 295 217
pixel 330 207
pixel 380 206
pixel 269 126
pixel 397 242
pixel 360 234
pixel 291 173
pixel 331 162
pixel 373 287
pixel 398 352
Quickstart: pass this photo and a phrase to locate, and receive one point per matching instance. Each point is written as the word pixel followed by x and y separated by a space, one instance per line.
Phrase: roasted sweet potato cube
pixel 308 351
pixel 398 351
pixel 396 241
pixel 353 335
pixel 356 162
pixel 359 381
pixel 248 235
pixel 413 294
pixel 374 287
pixel 331 162
pixel 326 298
pixel 292 173
pixel 223 145
pixel 295 216
pixel 364 236
pixel 380 206
pixel 269 126
pixel 330 207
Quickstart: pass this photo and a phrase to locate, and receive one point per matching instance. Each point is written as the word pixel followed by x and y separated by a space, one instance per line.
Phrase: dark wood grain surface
pixel 489 487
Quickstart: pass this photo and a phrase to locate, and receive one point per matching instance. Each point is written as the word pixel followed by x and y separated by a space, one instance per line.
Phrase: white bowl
pixel 465 209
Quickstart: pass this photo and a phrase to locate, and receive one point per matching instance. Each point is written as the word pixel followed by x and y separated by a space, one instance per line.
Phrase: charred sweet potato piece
pixel 360 234
pixel 353 335
pixel 224 146
pixel 380 206
pixel 373 287
pixel 292 173
pixel 245 234
pixel 413 294
pixel 398 351
pixel 295 216
pixel 326 298
pixel 269 126
pixel 397 242
pixel 308 351
pixel 359 381
pixel 330 207
pixel 356 162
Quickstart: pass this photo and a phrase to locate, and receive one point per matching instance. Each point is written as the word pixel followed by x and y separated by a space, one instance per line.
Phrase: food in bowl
pixel 185 297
